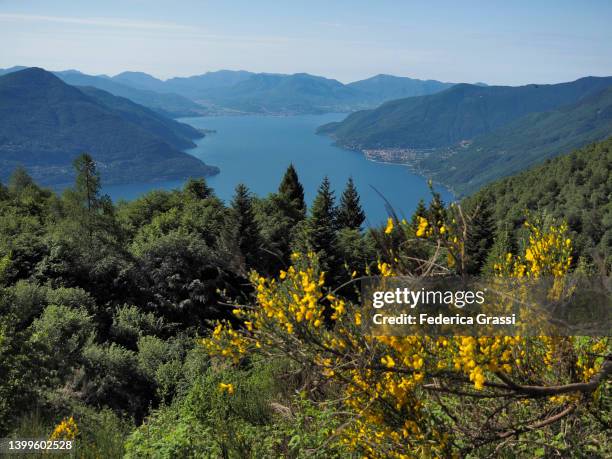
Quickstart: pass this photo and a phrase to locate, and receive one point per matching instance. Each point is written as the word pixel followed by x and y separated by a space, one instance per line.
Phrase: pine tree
pixel 92 213
pixel 197 188
pixel 436 211
pixel 320 228
pixel 20 180
pixel 292 192
pixel 350 214
pixel 502 245
pixel 87 186
pixel 480 234
pixel 421 211
pixel 246 229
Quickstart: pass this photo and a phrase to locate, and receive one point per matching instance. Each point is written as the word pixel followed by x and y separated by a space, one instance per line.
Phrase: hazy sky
pixel 498 42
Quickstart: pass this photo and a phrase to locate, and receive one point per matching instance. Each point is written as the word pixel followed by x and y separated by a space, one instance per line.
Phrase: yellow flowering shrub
pixel 67 429
pixel 397 392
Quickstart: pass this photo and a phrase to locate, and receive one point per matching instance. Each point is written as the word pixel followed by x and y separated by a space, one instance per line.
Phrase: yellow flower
pixel 357 318
pixel 389 227
pixel 388 361
pixel 65 430
pixel 229 388
pixel 422 229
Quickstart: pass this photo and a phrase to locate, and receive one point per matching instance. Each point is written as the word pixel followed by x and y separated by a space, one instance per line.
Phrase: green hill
pixel 47 123
pixel 179 135
pixel 381 88
pixel 576 187
pixel 523 143
pixel 165 103
pixel 457 114
pixel 289 94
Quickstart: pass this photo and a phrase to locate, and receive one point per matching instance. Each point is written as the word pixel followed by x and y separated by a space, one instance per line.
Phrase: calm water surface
pixel 256 150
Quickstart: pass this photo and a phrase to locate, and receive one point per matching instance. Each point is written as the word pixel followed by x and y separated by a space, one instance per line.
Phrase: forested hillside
pixel 47 123
pixel 522 144
pixel 175 325
pixel 460 113
pixel 165 102
pixel 576 188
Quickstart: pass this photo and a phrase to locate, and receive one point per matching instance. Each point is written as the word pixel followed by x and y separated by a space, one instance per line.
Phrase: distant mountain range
pixel 242 92
pixel 166 103
pixel 249 92
pixel 468 135
pixel 46 123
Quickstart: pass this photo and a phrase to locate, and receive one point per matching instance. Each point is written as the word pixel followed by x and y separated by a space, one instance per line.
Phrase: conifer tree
pixel 420 211
pixel 87 186
pixel 350 214
pixel 320 228
pixel 502 245
pixel 292 193
pixel 436 211
pixel 198 188
pixel 20 180
pixel 480 234
pixel 245 227
pixel 92 213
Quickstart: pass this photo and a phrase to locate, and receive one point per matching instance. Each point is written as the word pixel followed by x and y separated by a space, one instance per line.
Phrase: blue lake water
pixel 256 150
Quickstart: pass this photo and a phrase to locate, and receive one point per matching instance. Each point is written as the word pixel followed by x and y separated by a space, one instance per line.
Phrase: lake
pixel 256 150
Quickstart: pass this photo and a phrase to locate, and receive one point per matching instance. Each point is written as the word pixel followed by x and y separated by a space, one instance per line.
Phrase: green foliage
pixel 244 230
pixel 102 306
pixel 575 188
pixel 260 419
pixel 61 328
pixel 130 323
pixel 481 231
pixel 318 234
pixel 350 214
pixel 291 191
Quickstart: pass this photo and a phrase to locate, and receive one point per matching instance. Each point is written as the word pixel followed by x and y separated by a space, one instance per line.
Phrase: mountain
pixel 457 114
pixel 46 123
pixel 240 91
pixel 140 80
pixel 575 187
pixel 287 94
pixel 178 135
pixel 244 91
pixel 523 143
pixel 381 88
pixel 166 103
pixel 305 93
pixel 193 87
pixel 15 68
pixel 200 86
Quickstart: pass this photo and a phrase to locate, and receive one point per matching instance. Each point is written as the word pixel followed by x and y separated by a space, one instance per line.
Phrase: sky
pixel 497 42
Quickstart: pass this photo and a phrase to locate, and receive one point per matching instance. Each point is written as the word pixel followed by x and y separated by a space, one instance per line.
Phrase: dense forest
pixel 175 325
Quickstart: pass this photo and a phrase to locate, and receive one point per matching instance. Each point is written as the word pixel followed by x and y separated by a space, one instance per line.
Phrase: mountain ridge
pixel 47 123
pixel 523 143
pixel 453 115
